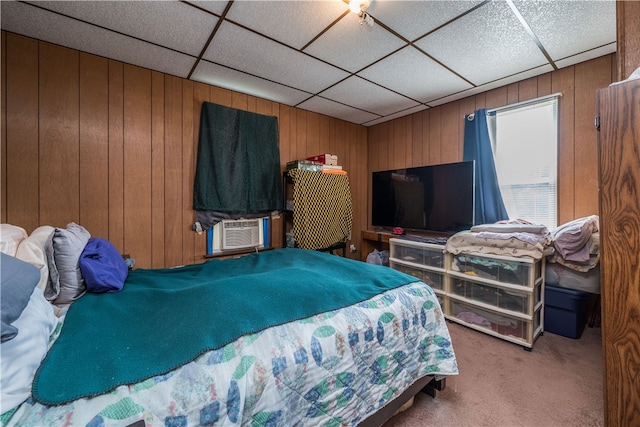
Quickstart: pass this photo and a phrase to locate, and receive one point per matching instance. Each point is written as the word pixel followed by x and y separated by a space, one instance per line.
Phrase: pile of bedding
pixel 41 275
pixel 571 251
pixel 509 238
pixel 575 262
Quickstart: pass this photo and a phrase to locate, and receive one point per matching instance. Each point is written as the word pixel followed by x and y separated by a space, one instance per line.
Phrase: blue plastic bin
pixel 565 311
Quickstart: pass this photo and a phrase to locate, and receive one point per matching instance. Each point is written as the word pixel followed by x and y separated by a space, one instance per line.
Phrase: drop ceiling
pixel 318 56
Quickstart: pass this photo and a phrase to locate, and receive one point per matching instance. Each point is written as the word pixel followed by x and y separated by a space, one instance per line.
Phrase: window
pixel 526 156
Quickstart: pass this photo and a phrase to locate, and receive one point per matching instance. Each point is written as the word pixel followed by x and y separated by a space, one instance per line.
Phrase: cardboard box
pixel 326 159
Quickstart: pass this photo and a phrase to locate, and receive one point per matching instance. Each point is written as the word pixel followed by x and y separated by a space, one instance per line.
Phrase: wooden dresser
pixel 618 112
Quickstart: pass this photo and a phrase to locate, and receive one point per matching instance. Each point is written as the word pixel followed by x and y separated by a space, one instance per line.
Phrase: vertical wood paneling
pixel 512 93
pixel 544 84
pixel 313 134
pixel 284 127
pixel 563 82
pixel 588 78
pixel 495 98
pixel 384 146
pixel 153 122
pixel 426 137
pixel 324 134
pixel 239 101
pixel 628 42
pixel 301 135
pixel 137 164
pixel 22 144
pixel 201 94
pixel 173 164
pixel 157 170
pixel 416 139
pixel 451 147
pixel 59 136
pixel 94 144
pixel 116 154
pixel 221 96
pixel 528 89
pixel 189 152
pixel 435 136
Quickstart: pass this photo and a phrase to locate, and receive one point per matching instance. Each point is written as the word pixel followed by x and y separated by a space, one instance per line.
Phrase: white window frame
pixel 516 183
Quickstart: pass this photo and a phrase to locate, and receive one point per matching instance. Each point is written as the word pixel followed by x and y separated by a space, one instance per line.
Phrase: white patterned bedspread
pixel 328 370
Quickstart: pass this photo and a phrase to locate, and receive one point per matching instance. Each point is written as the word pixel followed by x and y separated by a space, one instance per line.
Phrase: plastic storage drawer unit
pixel 514 271
pixel 565 311
pixel 431 278
pixel 417 253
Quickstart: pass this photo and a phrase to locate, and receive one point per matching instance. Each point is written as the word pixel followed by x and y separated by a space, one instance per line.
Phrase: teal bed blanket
pixel 166 318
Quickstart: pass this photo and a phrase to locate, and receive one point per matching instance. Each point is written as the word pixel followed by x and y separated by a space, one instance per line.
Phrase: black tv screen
pixel 437 198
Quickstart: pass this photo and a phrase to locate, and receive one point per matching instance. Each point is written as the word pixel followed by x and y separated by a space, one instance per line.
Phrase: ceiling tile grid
pixel 318 56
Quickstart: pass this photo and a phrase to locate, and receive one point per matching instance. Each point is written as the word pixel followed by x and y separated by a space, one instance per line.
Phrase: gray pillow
pixel 63 250
pixel 18 279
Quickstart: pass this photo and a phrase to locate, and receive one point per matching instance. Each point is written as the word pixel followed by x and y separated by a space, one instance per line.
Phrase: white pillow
pixel 32 250
pixel 21 356
pixel 10 238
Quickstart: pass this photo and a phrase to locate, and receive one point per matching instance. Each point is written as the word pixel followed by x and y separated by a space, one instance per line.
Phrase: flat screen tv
pixel 436 198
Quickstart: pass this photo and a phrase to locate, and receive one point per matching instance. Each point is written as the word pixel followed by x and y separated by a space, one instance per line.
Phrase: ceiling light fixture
pixel 359 7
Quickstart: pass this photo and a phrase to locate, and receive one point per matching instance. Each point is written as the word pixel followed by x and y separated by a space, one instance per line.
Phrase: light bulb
pixel 354 5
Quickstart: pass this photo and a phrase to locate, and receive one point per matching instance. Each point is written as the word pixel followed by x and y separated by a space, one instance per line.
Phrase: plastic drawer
pixel 500 323
pixel 424 254
pixel 499 269
pixel 431 278
pixel 507 299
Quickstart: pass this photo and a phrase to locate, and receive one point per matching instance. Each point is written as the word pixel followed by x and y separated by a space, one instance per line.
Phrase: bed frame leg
pixel 438 384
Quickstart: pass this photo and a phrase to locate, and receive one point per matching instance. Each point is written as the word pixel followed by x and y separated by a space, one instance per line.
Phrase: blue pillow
pixel 102 267
pixel 18 279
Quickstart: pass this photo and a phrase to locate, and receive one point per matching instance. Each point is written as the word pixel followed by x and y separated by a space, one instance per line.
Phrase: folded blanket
pixel 571 240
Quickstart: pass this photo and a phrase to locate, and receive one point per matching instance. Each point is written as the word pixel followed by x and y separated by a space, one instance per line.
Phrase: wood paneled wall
pixel 436 135
pixel 113 147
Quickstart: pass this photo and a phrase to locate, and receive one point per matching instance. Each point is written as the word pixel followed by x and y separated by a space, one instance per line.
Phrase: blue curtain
pixel 489 206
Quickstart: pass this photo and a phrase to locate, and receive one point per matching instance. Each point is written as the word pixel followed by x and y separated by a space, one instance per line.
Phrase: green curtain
pixel 238 164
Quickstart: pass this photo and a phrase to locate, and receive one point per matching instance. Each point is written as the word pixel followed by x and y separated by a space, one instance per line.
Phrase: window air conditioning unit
pixel 241 233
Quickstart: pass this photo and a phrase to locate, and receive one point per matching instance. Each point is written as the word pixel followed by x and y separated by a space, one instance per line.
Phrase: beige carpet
pixel 558 383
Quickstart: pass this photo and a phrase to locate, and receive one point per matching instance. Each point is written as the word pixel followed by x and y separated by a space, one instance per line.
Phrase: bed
pixel 318 359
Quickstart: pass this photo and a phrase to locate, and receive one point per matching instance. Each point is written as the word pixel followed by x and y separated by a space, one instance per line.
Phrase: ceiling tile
pixel 492 85
pixel 213 6
pixel 220 76
pixel 330 108
pixel 412 19
pixel 367 96
pixel 396 115
pixel 586 56
pixel 171 24
pixel 40 24
pixel 294 23
pixel 352 46
pixel 265 58
pixel 484 45
pixel 413 74
pixel 567 28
